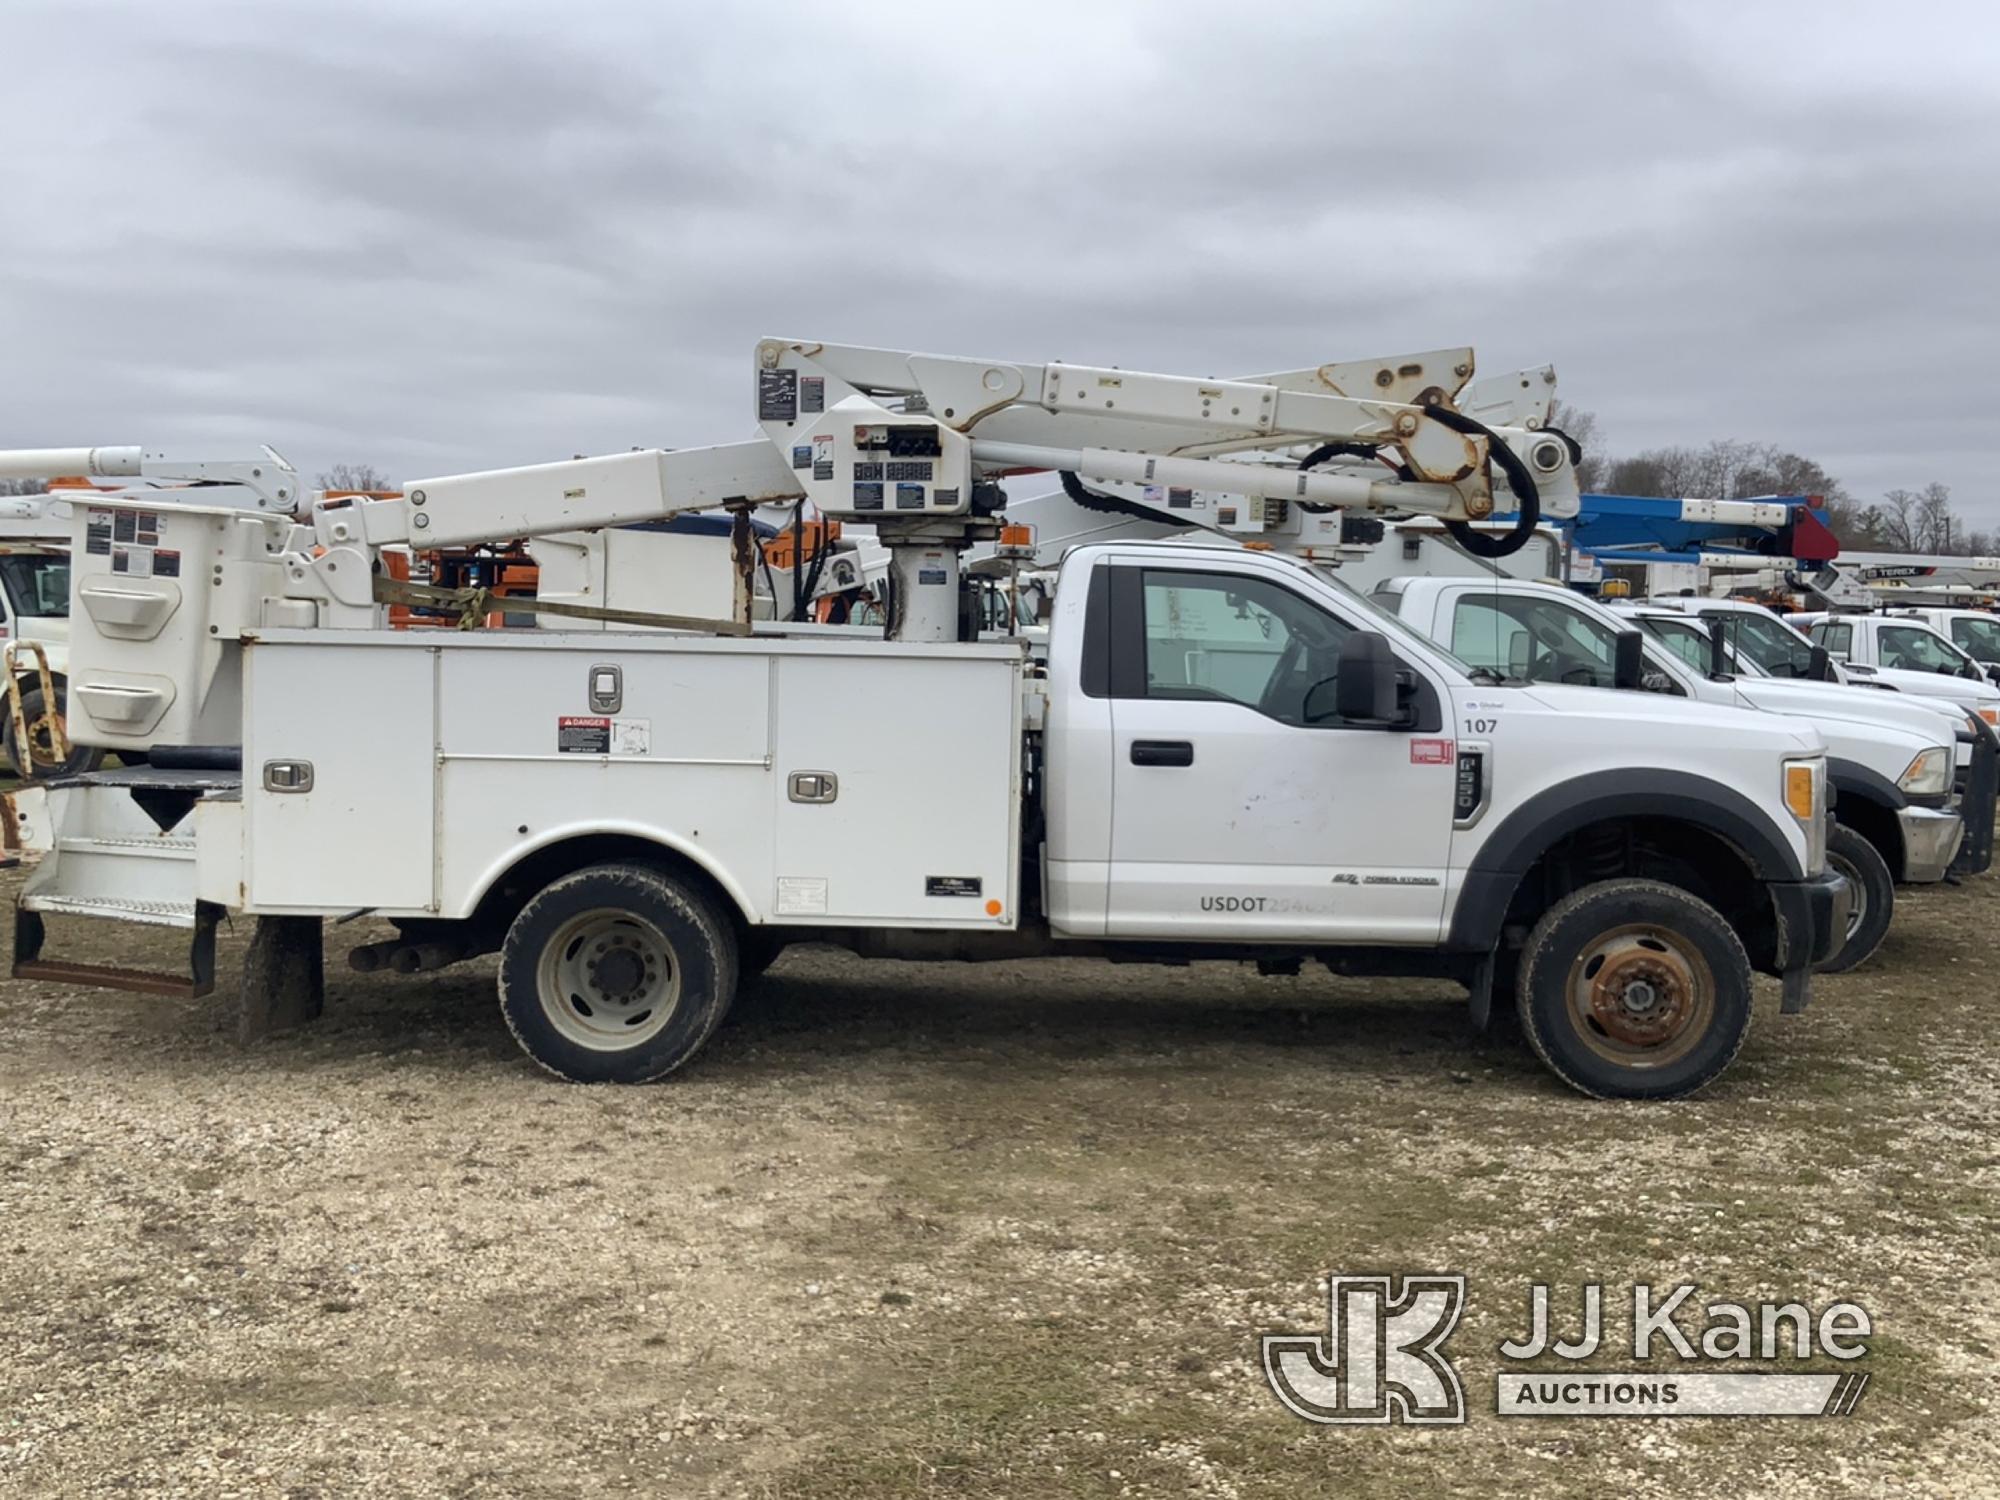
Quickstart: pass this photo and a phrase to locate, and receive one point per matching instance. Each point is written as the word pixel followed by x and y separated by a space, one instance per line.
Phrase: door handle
pixel 1162 753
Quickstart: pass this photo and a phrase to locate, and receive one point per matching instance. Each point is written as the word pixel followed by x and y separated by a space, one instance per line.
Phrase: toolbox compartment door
pixel 921 827
pixel 361 834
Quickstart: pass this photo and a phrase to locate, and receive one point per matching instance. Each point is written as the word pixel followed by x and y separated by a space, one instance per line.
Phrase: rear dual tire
pixel 617 973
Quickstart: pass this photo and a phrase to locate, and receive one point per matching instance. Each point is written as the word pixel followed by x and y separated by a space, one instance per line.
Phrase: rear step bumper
pixel 30 933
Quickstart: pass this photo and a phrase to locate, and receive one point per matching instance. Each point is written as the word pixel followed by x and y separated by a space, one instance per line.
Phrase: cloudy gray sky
pixel 440 236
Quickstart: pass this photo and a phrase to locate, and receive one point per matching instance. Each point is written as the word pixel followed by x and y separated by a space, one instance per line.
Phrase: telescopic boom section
pixel 913 443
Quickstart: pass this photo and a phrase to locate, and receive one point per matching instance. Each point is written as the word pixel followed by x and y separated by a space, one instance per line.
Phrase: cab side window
pixel 1838 639
pixel 1533 640
pixel 1914 650
pixel 1241 640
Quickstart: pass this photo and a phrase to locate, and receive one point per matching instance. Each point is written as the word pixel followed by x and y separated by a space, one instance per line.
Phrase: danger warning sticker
pixel 580 734
pixel 1431 752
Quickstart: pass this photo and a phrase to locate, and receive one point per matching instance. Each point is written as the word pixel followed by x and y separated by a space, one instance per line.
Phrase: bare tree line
pixel 354 477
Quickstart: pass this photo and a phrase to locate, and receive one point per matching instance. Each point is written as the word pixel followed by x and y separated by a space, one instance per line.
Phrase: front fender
pixel 1529 831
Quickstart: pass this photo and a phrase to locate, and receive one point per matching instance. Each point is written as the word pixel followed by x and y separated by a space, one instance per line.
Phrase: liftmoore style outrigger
pixel 1224 753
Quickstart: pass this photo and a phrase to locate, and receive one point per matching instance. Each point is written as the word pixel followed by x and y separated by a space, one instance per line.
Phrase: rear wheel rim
pixel 1641 996
pixel 1857 910
pixel 608 980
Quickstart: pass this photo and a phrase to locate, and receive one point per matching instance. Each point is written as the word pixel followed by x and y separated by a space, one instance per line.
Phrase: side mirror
pixel 1628 660
pixel 1819 665
pixel 1520 655
pixel 1365 690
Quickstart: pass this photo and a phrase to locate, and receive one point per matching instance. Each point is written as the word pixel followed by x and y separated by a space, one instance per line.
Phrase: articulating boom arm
pixel 899 437
pixel 1138 431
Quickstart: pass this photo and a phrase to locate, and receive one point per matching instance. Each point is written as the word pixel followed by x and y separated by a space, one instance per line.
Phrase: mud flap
pixel 1798 990
pixel 1480 983
pixel 284 977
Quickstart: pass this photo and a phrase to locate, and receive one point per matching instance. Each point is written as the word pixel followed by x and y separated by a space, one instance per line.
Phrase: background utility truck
pixel 1891 762
pixel 1898 643
pixel 1770 640
pixel 34 606
pixel 1226 755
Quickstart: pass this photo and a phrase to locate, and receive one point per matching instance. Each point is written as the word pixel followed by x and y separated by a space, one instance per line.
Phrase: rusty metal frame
pixel 58 731
pixel 473 605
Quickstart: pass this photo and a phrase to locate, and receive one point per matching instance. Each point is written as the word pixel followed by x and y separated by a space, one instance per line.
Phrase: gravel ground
pixel 923 1229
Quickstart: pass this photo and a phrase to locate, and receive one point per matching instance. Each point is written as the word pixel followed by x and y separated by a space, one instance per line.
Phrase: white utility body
pixel 1222 754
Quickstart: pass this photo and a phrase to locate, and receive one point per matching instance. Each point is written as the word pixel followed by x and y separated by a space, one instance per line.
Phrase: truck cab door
pixel 1243 808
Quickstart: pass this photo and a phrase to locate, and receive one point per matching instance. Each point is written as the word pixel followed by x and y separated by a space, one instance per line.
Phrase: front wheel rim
pixel 608 980
pixel 1641 996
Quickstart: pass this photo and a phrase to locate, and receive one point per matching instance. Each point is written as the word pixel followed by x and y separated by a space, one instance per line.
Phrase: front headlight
pixel 1805 800
pixel 1929 773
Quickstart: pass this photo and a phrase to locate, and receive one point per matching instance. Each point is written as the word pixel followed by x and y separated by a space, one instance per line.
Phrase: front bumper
pixel 1812 924
pixel 1930 843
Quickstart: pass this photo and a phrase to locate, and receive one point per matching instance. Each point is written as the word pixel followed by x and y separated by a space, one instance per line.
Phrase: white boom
pixel 915 444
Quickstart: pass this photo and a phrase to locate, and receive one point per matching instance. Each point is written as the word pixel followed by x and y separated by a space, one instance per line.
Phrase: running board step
pixel 30 934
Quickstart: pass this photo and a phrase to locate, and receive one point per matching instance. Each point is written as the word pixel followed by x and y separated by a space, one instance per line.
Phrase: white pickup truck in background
pixel 1891 762
pixel 1902 644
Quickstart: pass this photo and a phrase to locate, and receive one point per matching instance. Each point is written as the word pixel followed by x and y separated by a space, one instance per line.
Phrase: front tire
pixel 1632 989
pixel 616 974
pixel 1874 898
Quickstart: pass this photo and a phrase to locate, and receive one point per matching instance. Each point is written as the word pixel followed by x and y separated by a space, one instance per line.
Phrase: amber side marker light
pixel 1799 790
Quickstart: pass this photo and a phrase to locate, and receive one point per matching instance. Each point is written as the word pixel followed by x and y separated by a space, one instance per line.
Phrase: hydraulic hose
pixel 1528 499
pixel 1108 505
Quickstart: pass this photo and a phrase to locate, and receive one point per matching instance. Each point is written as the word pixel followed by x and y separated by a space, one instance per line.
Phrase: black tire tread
pixel 1865 857
pixel 636 882
pixel 1536 952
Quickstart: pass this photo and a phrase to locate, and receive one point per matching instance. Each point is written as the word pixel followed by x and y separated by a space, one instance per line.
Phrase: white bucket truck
pixel 1225 754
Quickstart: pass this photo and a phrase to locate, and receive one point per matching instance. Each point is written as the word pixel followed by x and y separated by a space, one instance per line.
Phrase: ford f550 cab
pixel 1891 763
pixel 1226 755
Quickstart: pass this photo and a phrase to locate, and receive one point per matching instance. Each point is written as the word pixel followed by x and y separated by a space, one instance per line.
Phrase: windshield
pixel 1979 635
pixel 37 584
pixel 1396 626
pixel 1690 642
